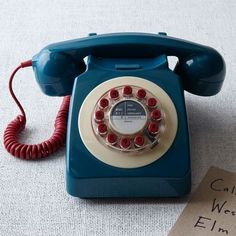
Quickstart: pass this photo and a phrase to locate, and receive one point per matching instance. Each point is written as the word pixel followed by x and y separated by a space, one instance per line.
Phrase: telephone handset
pixel 127 133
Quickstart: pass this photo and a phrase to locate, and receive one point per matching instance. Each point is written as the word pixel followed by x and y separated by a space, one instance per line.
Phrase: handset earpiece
pixel 202 73
pixel 56 71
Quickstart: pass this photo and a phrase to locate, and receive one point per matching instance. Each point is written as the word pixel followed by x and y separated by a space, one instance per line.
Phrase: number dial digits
pixel 128 118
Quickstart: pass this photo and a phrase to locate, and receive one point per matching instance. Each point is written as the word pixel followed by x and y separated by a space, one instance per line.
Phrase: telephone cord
pixel 43 149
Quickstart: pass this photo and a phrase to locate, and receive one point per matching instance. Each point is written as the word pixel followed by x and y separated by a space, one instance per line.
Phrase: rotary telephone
pixel 127 132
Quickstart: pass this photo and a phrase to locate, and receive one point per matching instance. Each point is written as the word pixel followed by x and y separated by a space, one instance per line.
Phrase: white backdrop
pixel 33 200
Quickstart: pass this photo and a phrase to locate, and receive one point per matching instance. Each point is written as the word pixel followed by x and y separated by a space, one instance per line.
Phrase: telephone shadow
pixel 141 200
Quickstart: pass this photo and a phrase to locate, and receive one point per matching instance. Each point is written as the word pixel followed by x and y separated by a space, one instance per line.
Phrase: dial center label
pixel 128 117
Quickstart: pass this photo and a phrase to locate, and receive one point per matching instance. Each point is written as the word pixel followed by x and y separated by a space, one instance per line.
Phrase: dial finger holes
pixel 129 119
pixel 153 128
pixel 99 116
pixel 139 141
pixel 141 93
pixel 127 90
pixel 112 138
pixel 102 129
pixel 103 103
pixel 114 94
pixel 156 114
pixel 125 143
pixel 152 102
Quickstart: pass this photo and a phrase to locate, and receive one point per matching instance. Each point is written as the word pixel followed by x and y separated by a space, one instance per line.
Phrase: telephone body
pixel 127 133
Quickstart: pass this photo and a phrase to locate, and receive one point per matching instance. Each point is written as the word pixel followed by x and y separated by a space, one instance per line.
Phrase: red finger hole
pixel 125 143
pixel 141 93
pixel 103 103
pixel 127 90
pixel 99 115
pixel 139 141
pixel 153 128
pixel 152 102
pixel 111 138
pixel 156 114
pixel 114 94
pixel 102 129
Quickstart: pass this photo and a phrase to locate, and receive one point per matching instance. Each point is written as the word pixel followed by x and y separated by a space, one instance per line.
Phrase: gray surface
pixel 33 200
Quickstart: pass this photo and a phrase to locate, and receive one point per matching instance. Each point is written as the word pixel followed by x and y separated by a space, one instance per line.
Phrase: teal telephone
pixel 127 133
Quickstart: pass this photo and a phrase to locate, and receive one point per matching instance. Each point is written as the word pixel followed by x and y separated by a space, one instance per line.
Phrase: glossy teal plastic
pixel 59 67
pixel 87 177
pixel 201 68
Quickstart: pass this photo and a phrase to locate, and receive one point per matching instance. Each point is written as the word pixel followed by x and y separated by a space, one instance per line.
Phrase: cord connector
pixel 26 64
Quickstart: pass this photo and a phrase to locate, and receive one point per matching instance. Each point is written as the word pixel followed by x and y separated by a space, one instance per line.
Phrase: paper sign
pixel 212 208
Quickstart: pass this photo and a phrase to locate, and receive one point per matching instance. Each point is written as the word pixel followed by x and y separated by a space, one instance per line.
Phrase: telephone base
pixel 129 187
pixel 95 170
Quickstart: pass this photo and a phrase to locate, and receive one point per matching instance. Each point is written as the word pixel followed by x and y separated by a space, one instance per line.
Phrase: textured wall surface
pixel 33 200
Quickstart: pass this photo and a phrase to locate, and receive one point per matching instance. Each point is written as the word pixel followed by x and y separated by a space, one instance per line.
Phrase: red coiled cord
pixel 41 150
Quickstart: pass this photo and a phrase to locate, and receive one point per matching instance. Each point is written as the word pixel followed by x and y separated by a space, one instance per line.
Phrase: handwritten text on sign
pixel 212 208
